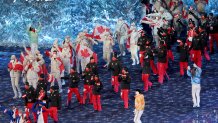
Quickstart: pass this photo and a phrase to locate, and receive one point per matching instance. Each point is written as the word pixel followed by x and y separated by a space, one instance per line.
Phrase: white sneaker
pixel 137 62
pixel 63 82
pixel 15 97
pixel 119 55
pixel 124 53
pixel 198 106
pixel 20 95
pixel 133 61
pixel 194 106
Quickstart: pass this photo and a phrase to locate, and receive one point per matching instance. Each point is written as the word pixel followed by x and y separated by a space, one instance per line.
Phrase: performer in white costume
pixel 121 32
pixel 108 44
pixel 56 70
pixel 15 67
pixel 32 68
pixel 134 36
pixel 83 51
pixel 65 56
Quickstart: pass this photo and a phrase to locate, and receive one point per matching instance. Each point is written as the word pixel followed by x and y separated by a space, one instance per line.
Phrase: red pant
pixel 87 92
pixel 197 58
pixel 183 65
pixel 70 93
pixel 115 83
pixel 147 83
pixel 53 112
pixel 29 107
pixel 213 37
pixel 96 99
pixel 125 97
pixel 45 116
pixel 141 57
pixel 153 67
pixel 170 55
pixel 206 55
pixel 191 54
pixel 161 71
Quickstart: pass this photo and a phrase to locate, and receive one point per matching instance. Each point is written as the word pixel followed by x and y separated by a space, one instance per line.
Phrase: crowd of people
pixel 163 22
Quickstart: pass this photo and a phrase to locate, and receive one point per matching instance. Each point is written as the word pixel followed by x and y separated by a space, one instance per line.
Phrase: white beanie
pixel 161 9
pixel 13 57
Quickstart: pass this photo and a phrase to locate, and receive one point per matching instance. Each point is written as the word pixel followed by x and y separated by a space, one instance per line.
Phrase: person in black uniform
pixel 54 103
pixel 97 88
pixel 42 84
pixel 165 36
pixel 162 61
pixel 213 31
pixel 146 70
pixel 141 43
pixel 150 54
pixel 93 66
pixel 204 37
pixel 88 83
pixel 30 98
pixel 197 48
pixel 183 56
pixel 115 67
pixel 204 21
pixel 74 80
pixel 124 79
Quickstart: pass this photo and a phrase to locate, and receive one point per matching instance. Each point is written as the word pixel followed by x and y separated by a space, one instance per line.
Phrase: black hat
pixel 27 83
pixel 87 66
pixel 197 30
pixel 42 76
pixel 211 14
pixel 91 58
pixel 204 14
pixel 125 68
pixel 190 21
pixel 193 68
pixel 96 76
pixel 73 68
pixel 138 90
pixel 41 88
pixel 115 54
pixel 52 87
pixel 201 26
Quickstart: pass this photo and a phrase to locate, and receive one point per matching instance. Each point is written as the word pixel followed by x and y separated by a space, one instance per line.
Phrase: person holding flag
pixel 15 67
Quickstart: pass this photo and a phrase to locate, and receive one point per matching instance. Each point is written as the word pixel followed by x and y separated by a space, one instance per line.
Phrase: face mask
pixel 12 60
pixel 31 60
